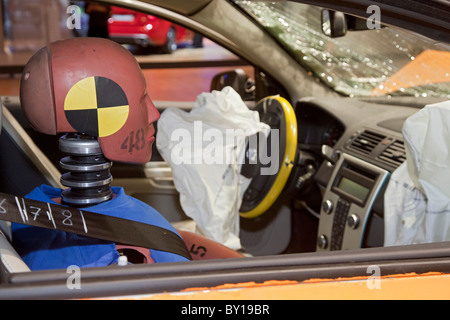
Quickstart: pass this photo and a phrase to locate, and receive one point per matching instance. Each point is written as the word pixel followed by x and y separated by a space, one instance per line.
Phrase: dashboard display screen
pixel 353 188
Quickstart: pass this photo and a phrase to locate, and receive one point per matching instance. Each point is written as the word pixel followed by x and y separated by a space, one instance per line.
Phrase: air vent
pixel 366 141
pixel 394 154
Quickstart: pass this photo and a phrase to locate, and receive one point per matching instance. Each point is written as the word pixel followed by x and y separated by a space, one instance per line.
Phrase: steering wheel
pixel 270 177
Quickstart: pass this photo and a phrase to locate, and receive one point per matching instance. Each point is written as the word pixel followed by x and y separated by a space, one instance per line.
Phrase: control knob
pixel 322 241
pixel 327 206
pixel 353 221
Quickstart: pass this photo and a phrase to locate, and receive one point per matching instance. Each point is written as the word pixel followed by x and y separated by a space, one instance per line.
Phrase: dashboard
pixel 366 145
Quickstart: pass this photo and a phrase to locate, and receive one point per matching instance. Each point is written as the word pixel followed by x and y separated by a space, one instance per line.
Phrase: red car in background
pixel 130 27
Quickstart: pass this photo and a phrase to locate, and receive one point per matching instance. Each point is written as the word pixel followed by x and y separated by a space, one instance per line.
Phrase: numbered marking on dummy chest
pixel 41 214
pixel 2 209
pixel 67 215
pixel 34 211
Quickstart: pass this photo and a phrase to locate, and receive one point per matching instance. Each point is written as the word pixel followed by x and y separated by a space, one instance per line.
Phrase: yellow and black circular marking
pixel 96 106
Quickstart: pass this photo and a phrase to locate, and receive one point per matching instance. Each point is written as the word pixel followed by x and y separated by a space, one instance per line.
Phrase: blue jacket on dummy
pixel 43 249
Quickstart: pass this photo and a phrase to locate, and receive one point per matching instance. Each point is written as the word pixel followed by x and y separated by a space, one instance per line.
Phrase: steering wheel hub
pixel 269 179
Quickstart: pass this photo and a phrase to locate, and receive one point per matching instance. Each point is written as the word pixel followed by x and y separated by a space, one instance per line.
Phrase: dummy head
pixel 95 87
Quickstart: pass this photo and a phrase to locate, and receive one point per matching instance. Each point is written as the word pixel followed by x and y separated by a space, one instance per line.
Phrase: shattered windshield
pixel 384 61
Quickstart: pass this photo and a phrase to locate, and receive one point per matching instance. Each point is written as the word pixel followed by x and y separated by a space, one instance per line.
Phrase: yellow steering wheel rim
pixel 287 162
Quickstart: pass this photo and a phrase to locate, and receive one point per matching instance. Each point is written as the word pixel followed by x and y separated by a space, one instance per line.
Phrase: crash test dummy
pixel 93 92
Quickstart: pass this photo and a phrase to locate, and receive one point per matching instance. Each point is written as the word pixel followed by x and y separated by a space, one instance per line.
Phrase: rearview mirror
pixel 333 23
pixel 336 24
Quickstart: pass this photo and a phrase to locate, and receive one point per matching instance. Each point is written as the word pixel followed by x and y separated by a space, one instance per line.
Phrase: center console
pixel 348 199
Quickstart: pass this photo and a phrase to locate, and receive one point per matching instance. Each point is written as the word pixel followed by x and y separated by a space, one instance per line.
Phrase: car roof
pixel 183 7
pixel 428 17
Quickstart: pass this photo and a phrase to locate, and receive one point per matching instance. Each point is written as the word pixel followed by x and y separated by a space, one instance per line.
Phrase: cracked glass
pixel 378 62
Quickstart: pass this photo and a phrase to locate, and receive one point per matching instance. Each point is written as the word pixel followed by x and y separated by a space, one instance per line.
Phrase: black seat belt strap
pixel 90 224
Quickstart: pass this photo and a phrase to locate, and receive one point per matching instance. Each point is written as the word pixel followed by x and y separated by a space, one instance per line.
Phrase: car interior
pixel 330 205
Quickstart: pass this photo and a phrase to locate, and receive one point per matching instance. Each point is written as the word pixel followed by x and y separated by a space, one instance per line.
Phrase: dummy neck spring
pixel 88 176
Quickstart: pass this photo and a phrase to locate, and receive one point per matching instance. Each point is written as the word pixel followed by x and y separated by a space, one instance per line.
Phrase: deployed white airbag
pixel 417 199
pixel 205 148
